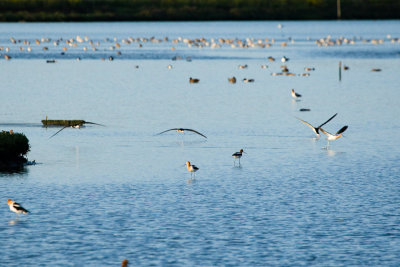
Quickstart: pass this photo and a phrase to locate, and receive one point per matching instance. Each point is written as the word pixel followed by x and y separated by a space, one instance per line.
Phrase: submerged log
pixel 67 123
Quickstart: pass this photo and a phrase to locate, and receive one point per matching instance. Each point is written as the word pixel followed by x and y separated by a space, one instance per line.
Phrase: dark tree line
pixel 126 10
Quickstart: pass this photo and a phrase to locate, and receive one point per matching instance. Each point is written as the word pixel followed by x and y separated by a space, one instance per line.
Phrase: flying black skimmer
pixel 238 155
pixel 316 129
pixel 295 95
pixel 191 80
pixel 15 207
pixel 333 137
pixel 77 126
pixel 182 130
pixel 245 80
pixel 191 168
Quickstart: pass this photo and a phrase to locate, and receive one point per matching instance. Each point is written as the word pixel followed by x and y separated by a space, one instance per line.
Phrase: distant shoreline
pixel 188 10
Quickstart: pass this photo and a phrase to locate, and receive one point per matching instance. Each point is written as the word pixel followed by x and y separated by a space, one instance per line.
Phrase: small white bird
pixel 284 59
pixel 295 95
pixel 15 207
pixel 238 155
pixel 191 168
pixel 333 137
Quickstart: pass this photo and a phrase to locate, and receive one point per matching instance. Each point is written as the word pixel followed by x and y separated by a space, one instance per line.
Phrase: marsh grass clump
pixel 13 148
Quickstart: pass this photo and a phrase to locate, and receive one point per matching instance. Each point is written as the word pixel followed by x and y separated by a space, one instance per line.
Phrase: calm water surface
pixel 99 195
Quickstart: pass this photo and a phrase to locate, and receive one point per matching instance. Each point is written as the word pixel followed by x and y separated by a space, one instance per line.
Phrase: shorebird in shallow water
pixel 192 169
pixel 232 80
pixel 182 130
pixel 191 80
pixel 316 129
pixel 295 95
pixel 238 155
pixel 15 207
pixel 333 137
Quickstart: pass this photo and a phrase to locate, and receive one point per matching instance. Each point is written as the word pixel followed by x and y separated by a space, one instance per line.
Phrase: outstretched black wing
pixel 173 129
pixel 344 128
pixel 191 130
pixel 328 120
pixel 59 131
pixel 88 122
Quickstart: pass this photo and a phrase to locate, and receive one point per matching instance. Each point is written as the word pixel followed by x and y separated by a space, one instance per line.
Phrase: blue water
pixel 99 194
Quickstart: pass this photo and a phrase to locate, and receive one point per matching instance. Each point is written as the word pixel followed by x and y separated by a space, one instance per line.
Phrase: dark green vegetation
pixel 13 148
pixel 142 10
pixel 62 122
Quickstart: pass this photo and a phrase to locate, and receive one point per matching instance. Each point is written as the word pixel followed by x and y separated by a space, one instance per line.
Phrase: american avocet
pixel 182 130
pixel 316 129
pixel 77 126
pixel 333 137
pixel 243 66
pixel 191 80
pixel 238 155
pixel 232 80
pixel 295 95
pixel 15 207
pixel 191 168
pixel 124 263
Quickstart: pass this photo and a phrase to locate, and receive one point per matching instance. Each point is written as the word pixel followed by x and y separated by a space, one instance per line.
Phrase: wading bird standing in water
pixel 316 129
pixel 237 155
pixel 333 137
pixel 295 95
pixel 15 207
pixel 192 169
pixel 182 130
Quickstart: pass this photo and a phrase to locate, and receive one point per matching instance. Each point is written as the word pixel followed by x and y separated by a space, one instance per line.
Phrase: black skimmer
pixel 243 66
pixel 77 126
pixel 191 168
pixel 248 80
pixel 333 137
pixel 238 155
pixel 182 130
pixel 295 95
pixel 191 80
pixel 232 80
pixel 316 129
pixel 15 207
